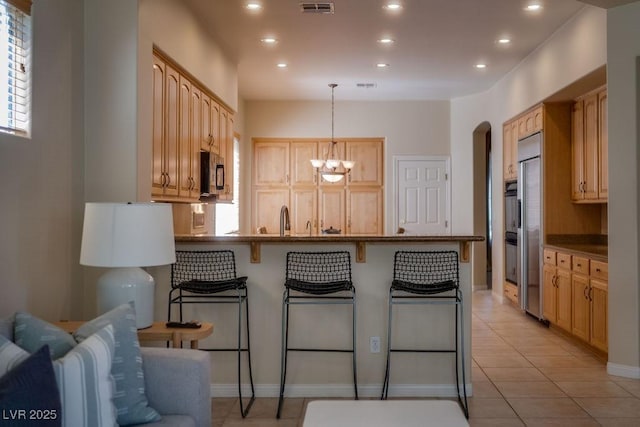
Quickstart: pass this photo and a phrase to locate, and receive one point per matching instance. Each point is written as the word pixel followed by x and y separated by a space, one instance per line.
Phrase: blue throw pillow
pixel 29 394
pixel 129 398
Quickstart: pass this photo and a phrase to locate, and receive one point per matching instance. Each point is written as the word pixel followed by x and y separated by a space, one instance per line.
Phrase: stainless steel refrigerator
pixel 530 225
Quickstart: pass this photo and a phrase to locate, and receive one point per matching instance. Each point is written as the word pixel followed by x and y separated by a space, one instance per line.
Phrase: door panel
pixel 423 196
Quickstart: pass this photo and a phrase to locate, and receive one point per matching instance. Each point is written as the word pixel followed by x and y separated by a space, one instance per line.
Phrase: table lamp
pixel 125 237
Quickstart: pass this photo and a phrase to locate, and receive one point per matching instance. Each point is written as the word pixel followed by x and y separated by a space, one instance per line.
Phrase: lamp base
pixel 121 285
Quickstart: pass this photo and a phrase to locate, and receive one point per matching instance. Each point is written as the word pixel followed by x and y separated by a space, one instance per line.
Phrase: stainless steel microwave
pixel 211 174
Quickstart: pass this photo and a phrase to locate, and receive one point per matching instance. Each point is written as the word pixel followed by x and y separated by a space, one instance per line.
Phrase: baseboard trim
pixel 339 390
pixel 623 370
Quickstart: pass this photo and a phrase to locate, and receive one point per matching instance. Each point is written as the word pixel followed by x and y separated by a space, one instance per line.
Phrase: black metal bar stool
pixel 316 278
pixel 209 277
pixel 428 277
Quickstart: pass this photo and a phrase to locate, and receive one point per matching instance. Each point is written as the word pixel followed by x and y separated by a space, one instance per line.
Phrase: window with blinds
pixel 15 68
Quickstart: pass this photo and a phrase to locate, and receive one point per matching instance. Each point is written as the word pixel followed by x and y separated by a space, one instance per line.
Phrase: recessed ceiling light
pixel 533 7
pixel 382 65
pixel 282 65
pixel 480 66
pixel 269 40
pixel 253 5
pixel 504 41
pixel 385 41
pixel 393 6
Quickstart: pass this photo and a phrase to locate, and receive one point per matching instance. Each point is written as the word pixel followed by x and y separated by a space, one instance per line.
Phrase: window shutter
pixel 15 64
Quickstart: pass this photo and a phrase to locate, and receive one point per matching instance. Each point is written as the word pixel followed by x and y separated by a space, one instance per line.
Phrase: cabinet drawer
pixel 563 260
pixel 511 292
pixel 549 257
pixel 580 265
pixel 599 270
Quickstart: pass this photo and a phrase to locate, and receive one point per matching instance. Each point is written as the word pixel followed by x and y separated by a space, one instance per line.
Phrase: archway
pixel 481 274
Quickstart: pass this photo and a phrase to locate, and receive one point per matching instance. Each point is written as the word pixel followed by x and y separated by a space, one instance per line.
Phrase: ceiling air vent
pixel 366 85
pixel 316 7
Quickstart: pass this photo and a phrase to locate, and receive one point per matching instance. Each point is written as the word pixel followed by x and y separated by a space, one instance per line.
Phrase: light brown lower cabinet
pixel 556 305
pixel 576 296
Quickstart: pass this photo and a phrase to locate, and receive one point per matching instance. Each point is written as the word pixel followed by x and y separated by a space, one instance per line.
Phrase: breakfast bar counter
pixel 360 241
pixel 262 258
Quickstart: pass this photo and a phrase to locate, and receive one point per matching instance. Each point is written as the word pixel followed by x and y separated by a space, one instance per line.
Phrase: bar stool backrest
pixel 203 266
pixel 319 267
pixel 427 269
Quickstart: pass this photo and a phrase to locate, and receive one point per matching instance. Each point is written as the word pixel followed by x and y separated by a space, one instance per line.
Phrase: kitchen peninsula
pixel 262 259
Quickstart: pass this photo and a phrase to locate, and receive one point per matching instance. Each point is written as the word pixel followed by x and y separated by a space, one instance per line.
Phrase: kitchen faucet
pixel 285 225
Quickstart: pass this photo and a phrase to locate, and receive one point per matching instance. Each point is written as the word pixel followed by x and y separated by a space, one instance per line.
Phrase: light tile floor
pixel 523 373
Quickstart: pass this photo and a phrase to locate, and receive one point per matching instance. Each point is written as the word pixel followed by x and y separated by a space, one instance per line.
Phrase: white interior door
pixel 423 195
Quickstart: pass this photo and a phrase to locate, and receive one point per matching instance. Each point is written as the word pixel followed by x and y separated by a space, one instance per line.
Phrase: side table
pixel 158 331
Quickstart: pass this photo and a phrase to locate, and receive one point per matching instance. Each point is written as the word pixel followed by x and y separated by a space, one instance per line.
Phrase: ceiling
pixel 436 45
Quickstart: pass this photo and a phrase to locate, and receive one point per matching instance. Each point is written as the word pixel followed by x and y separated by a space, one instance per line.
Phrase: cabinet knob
pixel 597 270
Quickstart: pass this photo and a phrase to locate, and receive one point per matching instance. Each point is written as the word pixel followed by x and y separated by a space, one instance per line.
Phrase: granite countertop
pixel 594 246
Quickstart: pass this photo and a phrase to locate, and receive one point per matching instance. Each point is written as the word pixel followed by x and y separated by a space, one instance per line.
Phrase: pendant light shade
pixel 330 167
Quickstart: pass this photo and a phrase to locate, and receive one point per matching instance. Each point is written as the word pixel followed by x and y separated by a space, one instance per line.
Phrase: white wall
pixel 420 128
pixel 574 51
pixel 623 67
pixel 40 215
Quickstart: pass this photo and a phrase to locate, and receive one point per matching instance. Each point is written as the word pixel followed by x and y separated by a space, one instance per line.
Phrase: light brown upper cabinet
pixel 530 122
pixel 187 119
pixel 271 163
pixel 353 205
pixel 302 172
pixel 164 172
pixel 368 167
pixel 589 149
pixel 510 153
pixel 519 127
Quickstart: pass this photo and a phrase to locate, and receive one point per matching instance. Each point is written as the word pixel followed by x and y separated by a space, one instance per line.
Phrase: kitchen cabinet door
pixel 165 156
pixel 188 162
pixel 270 163
pixel 368 167
pixel 331 208
pixel 563 299
pixel 302 172
pixel 591 133
pixel 210 125
pixel 158 157
pixel 304 211
pixel 510 150
pixel 599 300
pixel 229 156
pixel 603 147
pixel 581 319
pixel 267 203
pixel 364 210
pixel 577 150
pixel 549 303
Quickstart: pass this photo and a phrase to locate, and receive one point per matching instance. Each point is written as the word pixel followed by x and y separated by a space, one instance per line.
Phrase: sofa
pixel 176 383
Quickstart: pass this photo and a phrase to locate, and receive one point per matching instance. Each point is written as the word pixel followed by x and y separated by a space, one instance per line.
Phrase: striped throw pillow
pixel 83 377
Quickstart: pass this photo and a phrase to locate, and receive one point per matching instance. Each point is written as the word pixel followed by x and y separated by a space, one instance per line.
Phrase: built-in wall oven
pixel 511 218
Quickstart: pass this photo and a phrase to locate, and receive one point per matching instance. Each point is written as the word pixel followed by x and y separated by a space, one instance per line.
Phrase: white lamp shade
pixel 127 235
pixel 317 163
pixel 332 176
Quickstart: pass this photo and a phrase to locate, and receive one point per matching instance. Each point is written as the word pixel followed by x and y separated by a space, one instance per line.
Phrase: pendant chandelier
pixel 330 167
